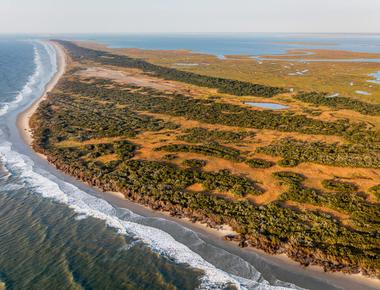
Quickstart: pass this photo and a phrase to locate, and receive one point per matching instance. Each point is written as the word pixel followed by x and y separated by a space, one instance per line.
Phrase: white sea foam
pixel 87 205
pixel 28 87
pixel 34 78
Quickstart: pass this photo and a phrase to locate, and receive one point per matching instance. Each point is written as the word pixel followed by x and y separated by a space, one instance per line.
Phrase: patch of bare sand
pixel 138 78
pixel 197 187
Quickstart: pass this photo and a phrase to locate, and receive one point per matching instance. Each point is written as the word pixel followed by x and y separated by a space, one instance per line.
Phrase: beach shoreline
pixel 23 119
pixel 339 279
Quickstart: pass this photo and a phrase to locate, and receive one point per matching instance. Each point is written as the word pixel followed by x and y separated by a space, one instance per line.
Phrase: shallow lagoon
pixel 376 77
pixel 271 106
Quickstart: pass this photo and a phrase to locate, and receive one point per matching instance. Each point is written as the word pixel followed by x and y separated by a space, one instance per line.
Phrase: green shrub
pixel 289 176
pixel 288 162
pixel 339 186
pixel 346 155
pixel 197 163
pixel 211 149
pixel 169 157
pixel 259 163
pixel 376 191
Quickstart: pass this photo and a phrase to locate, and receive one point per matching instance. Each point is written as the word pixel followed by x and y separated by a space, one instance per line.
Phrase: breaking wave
pixel 35 78
pixel 87 205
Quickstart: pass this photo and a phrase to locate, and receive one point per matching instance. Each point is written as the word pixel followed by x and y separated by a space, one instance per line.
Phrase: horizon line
pixel 186 32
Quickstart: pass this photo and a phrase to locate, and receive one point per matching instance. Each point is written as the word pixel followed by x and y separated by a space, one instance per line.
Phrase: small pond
pixel 363 93
pixel 272 106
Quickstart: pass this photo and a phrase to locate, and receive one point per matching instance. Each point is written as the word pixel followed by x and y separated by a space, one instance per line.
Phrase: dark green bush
pixel 259 163
pixel 339 186
pixel 169 157
pixel 345 155
pixel 376 191
pixel 197 163
pixel 289 176
pixel 211 149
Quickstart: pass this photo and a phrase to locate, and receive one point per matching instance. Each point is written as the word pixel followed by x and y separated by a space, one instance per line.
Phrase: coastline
pixel 337 279
pixel 23 119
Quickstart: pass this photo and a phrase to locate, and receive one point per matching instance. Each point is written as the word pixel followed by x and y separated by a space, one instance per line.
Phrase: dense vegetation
pixel 365 215
pixel 233 87
pixel 95 120
pixel 339 103
pixel 259 163
pixel 346 155
pixel 211 149
pixel 339 186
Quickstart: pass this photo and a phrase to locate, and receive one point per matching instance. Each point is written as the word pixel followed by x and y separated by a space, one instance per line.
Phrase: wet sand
pixel 281 266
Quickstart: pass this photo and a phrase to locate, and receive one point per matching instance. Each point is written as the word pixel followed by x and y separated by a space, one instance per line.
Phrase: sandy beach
pixel 23 120
pixel 339 280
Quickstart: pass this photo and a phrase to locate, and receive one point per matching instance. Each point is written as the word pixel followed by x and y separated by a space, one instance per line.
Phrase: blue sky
pixel 81 16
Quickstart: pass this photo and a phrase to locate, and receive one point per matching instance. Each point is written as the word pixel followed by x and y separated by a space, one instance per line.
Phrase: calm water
pixel 253 44
pixel 56 233
pixel 272 106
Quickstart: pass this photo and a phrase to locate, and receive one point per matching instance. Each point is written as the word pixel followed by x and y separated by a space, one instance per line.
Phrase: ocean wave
pixel 86 205
pixel 34 78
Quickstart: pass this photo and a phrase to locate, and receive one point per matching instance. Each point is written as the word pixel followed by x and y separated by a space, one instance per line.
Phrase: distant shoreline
pixel 338 279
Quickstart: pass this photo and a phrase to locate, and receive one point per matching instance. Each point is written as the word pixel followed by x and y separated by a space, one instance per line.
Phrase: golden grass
pixel 107 158
pixel 197 187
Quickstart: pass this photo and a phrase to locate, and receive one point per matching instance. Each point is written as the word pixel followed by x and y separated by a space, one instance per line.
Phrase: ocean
pixel 57 233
